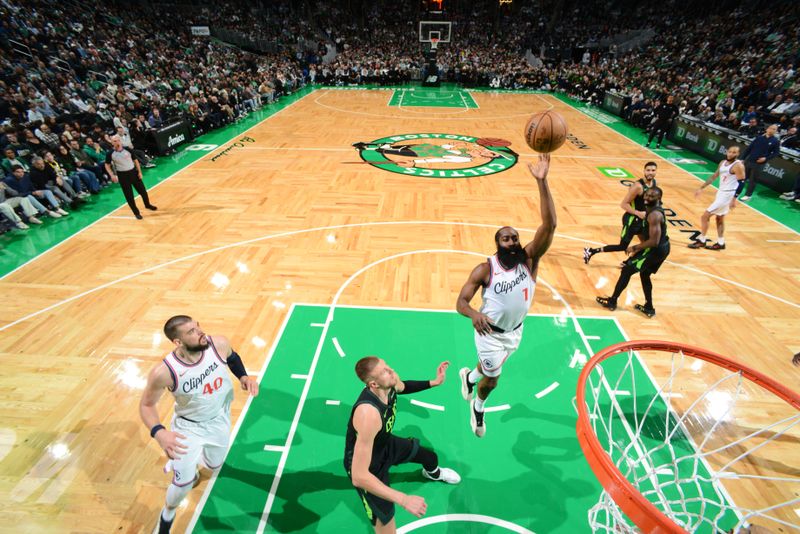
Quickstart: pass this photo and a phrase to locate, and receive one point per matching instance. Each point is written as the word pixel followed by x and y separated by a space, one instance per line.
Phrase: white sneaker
pixel 22 226
pixel 53 214
pixel 62 212
pixel 83 194
pixel 746 197
pixel 466 387
pixel 476 420
pixel 445 475
pixel 788 196
pixel 34 220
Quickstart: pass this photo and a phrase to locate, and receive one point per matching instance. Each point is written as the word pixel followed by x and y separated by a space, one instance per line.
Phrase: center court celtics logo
pixel 432 155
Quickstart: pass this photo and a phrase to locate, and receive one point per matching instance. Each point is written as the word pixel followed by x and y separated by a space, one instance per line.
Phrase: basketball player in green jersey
pixel 633 218
pixel 371 448
pixel 646 257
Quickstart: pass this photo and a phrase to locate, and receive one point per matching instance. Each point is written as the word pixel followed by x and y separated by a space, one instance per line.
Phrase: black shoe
pixel 359 146
pixel 138 215
pixel 697 244
pixel 164 525
pixel 715 246
pixel 607 302
pixel 151 207
pixel 648 311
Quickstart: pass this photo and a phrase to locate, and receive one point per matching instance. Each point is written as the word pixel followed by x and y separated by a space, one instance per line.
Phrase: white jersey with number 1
pixel 508 295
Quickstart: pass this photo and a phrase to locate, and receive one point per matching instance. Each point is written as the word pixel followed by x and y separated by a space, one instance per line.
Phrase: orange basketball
pixel 546 131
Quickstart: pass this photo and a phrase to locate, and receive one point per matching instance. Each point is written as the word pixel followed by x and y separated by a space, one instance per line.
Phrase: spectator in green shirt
pixel 94 150
pixel 10 160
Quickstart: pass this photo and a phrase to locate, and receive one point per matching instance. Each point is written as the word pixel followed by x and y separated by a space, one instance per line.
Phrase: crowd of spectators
pixel 73 77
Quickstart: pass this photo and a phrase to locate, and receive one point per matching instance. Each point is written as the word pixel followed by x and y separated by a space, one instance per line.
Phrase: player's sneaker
pixel 645 310
pixel 697 244
pixel 466 386
pixel 715 246
pixel 607 302
pixel 587 255
pixel 163 525
pixel 744 198
pixel 476 420
pixel 445 475
pixel 788 196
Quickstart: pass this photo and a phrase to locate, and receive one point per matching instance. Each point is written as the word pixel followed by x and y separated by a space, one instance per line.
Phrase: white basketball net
pixel 687 448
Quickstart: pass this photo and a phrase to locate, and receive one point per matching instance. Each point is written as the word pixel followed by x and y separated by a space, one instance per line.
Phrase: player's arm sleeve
pixel 234 361
pixel 412 386
pixel 236 365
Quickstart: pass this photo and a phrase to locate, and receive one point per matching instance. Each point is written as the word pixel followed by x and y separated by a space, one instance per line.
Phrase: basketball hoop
pixel 434 43
pixel 665 465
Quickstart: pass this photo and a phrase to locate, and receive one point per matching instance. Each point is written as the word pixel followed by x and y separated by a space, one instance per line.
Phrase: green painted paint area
pixel 764 200
pixel 19 246
pixel 440 97
pixel 527 470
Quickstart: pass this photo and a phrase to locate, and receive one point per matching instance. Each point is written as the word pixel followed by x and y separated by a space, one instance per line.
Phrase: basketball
pixel 546 131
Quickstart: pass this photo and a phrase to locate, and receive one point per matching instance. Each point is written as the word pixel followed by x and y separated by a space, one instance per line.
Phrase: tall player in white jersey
pixel 508 280
pixel 731 175
pixel 196 373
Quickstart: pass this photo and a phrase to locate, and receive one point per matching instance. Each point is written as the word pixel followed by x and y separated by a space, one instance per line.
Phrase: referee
pixel 125 169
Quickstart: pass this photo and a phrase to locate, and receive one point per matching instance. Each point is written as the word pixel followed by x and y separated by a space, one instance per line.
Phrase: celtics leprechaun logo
pixel 439 155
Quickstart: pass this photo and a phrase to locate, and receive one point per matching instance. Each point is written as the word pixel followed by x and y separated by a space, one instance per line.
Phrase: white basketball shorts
pixel 207 440
pixel 722 203
pixel 494 348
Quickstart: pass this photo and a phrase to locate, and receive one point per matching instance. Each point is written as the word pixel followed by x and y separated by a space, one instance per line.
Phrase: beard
pixel 512 256
pixel 200 347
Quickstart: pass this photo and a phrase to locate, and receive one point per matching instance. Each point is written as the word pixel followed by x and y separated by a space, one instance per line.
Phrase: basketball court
pixel 309 253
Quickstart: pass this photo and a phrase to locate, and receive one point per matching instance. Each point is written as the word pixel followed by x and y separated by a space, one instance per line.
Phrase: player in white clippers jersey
pixel 731 176
pixel 196 373
pixel 508 280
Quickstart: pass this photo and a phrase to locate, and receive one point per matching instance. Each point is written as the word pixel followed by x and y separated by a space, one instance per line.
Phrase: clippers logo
pixel 501 288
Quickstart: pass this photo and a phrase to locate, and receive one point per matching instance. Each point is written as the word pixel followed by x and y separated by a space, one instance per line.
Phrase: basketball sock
pixel 167 514
pixel 721 240
pixel 647 287
pixel 175 494
pixel 622 283
pixel 478 404
pixel 614 248
pixel 474 376
pixel 429 461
